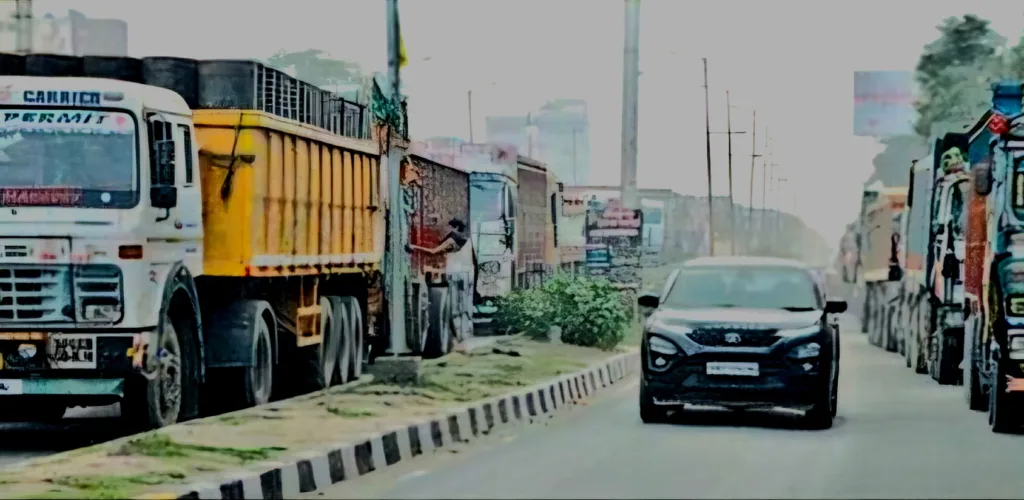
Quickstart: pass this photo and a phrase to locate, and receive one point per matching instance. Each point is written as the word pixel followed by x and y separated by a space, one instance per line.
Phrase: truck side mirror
pixel 163 196
pixel 982 177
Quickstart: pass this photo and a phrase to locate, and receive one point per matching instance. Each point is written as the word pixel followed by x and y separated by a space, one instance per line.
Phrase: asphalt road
pixel 898 435
pixel 80 427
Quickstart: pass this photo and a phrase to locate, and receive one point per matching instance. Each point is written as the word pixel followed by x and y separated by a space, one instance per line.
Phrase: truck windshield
pixel 485 200
pixel 74 158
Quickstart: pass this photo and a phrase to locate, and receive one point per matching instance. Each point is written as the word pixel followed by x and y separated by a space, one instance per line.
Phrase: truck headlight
pixel 805 351
pixel 1015 346
pixel 101 312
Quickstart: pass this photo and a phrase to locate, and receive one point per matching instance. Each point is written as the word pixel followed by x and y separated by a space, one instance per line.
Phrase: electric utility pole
pixel 750 208
pixel 396 253
pixel 23 25
pixel 630 103
pixel 469 96
pixel 732 212
pixel 707 133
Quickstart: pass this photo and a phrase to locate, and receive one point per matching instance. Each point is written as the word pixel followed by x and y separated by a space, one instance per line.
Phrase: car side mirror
pixel 163 196
pixel 648 300
pixel 835 306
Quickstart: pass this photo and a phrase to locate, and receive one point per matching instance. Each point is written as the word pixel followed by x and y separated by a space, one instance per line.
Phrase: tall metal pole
pixel 732 211
pixel 630 103
pixel 764 183
pixel 750 208
pixel 707 130
pixel 575 181
pixel 23 25
pixel 397 257
pixel 469 96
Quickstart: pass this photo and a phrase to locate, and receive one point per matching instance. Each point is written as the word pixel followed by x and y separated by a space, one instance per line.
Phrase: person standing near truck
pixel 460 266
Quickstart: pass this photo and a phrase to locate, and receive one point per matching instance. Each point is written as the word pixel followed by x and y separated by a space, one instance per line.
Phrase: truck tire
pixel 330 339
pixel 921 336
pixel 343 325
pixel 358 352
pixel 439 333
pixel 946 368
pixel 258 378
pixel 157 402
pixel 973 394
pixel 1005 411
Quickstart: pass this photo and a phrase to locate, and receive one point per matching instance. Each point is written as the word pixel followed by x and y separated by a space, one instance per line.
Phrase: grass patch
pixel 162 446
pixel 351 412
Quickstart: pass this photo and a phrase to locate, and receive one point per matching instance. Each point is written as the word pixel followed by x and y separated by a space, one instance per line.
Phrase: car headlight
pixel 799 332
pixel 663 346
pixel 804 351
pixel 1015 344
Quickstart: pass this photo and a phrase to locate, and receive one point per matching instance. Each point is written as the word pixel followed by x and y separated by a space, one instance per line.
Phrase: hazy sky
pixel 791 60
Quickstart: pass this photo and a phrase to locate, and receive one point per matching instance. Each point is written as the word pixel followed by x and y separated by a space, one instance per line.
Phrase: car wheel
pixel 650 413
pixel 834 406
pixel 819 416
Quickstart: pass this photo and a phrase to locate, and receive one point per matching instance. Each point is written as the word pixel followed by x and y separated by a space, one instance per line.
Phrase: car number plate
pixel 734 369
pixel 68 351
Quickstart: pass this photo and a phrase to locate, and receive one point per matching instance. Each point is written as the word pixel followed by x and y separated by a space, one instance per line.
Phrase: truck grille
pixel 34 293
pixel 98 285
pixel 747 338
pixel 42 294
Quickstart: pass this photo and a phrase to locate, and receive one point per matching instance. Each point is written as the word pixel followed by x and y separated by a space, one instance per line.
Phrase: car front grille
pixel 721 337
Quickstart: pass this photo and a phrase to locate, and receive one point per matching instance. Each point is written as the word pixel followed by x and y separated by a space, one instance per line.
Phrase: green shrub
pixel 590 311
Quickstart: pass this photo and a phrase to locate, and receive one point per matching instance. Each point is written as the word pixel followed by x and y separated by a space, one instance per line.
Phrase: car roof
pixel 731 261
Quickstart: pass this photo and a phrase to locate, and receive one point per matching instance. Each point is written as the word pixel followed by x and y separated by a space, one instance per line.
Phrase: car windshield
pixel 67 158
pixel 744 286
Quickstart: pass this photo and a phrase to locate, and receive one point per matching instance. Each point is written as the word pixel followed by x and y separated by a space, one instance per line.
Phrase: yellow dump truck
pixel 178 233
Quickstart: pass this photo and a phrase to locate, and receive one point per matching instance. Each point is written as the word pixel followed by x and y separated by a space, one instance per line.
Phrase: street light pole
pixel 469 96
pixel 707 133
pixel 396 269
pixel 732 211
pixel 630 103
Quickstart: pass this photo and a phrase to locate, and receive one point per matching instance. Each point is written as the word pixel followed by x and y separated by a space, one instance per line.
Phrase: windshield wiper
pixel 798 308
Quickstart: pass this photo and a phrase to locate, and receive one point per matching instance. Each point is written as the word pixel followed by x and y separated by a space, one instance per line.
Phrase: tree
pixel 893 163
pixel 955 71
pixel 313 67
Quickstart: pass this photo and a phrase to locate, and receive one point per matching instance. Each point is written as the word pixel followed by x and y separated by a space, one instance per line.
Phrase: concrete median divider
pixel 317 469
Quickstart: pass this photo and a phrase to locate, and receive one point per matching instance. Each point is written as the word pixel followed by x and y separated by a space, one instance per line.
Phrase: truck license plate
pixel 9 387
pixel 72 351
pixel 734 369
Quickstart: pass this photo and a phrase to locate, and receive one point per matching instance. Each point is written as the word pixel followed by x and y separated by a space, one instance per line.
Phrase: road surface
pixel 80 427
pixel 898 435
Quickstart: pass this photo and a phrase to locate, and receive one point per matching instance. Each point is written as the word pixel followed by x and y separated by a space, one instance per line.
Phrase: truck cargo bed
pixel 294 200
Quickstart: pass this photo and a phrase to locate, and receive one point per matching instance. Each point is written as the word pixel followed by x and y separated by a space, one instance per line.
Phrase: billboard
pixel 613 242
pixel 883 103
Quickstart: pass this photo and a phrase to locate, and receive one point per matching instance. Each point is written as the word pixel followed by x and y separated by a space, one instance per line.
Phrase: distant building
pixel 71 34
pixel 557 134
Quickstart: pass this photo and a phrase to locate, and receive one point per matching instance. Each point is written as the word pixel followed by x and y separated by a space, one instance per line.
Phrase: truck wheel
pixel 358 356
pixel 439 332
pixel 329 342
pixel 1004 410
pixel 972 380
pixel 33 411
pixel 258 378
pixel 947 367
pixel 343 325
pixel 151 403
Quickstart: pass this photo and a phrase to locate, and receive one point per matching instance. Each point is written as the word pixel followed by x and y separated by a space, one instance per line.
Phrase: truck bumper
pixel 113 387
pixel 70 362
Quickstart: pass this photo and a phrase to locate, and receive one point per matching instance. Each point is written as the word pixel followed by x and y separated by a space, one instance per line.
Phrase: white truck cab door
pixel 175 232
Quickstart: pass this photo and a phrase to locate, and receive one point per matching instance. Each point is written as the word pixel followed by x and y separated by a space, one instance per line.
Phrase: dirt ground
pixel 199 449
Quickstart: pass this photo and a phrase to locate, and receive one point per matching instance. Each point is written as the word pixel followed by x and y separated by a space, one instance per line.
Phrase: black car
pixel 741 332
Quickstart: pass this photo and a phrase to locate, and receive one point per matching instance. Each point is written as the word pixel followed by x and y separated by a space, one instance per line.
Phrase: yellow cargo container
pixel 296 201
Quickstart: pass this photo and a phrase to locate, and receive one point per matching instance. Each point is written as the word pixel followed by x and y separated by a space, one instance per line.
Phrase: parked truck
pixel 534 218
pixel 932 299
pixel 994 371
pixel 176 231
pixel 878 235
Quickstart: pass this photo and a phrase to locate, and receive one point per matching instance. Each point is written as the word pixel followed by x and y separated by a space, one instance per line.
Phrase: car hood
pixel 738 317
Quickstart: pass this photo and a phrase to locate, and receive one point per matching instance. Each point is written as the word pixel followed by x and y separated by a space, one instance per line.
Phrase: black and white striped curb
pixel 319 469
